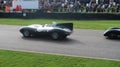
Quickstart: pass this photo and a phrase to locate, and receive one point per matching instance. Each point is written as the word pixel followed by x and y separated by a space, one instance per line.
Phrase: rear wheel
pixel 26 33
pixel 55 35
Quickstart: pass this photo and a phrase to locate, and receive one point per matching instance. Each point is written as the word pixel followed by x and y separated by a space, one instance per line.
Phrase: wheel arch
pixel 31 30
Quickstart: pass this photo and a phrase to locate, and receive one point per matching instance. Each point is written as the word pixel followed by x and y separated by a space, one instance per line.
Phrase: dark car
pixel 55 31
pixel 112 33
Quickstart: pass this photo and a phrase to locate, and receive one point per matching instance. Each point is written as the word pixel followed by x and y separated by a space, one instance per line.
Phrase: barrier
pixel 72 16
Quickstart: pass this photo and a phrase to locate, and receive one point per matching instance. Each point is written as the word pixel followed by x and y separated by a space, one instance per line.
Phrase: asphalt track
pixel 87 43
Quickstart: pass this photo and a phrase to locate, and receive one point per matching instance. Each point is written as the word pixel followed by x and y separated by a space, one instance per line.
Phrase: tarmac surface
pixel 86 43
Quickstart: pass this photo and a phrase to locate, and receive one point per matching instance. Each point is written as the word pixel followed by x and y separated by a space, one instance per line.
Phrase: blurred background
pixel 60 6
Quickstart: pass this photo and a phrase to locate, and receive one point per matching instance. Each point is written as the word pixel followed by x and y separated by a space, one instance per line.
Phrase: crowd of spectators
pixel 65 6
pixel 77 6
pixel 6 6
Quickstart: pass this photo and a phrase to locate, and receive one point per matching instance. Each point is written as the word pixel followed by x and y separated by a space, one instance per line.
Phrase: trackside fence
pixel 73 16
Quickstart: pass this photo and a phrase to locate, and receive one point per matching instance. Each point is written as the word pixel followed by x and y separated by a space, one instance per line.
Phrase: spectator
pixel 7 8
pixel 77 6
pixel 18 8
pixel 118 8
pixel 71 7
pixel 1 5
pixel 63 7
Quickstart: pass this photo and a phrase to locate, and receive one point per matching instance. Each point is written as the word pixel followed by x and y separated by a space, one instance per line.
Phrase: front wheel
pixel 26 33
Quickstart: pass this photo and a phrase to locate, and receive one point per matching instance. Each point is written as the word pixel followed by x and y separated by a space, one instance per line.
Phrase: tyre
pixel 55 35
pixel 26 33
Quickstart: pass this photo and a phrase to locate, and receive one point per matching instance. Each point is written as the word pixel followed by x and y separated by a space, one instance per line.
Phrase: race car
pixel 55 31
pixel 112 33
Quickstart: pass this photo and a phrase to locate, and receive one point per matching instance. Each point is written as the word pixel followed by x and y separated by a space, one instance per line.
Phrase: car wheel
pixel 55 36
pixel 26 33
pixel 112 35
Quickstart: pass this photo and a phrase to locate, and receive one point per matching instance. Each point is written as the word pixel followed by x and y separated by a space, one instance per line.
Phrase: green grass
pixel 78 24
pixel 25 59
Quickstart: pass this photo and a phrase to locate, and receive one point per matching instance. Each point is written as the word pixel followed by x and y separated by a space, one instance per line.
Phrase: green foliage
pixel 24 59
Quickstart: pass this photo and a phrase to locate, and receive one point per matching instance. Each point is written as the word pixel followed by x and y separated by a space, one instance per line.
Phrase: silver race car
pixel 55 31
pixel 112 33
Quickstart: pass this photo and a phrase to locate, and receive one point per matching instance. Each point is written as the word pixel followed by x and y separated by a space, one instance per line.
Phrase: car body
pixel 112 33
pixel 55 31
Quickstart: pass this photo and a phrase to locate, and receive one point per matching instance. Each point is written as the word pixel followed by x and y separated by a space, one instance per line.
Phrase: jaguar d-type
pixel 55 30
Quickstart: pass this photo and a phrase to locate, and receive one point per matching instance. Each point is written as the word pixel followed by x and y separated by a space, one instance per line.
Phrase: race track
pixel 87 43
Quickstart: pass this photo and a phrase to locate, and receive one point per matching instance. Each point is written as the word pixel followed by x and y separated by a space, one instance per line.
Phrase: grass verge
pixel 78 24
pixel 27 59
